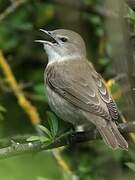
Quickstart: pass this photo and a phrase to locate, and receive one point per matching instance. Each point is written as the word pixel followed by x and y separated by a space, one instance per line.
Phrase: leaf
pixel 45 130
pixel 38 138
pixel 43 139
pixel 33 138
pixel 53 123
pixel 131 165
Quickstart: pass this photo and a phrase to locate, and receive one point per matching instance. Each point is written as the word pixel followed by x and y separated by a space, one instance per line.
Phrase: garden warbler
pixel 76 92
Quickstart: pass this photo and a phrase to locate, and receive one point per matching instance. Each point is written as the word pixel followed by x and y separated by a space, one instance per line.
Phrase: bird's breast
pixel 64 109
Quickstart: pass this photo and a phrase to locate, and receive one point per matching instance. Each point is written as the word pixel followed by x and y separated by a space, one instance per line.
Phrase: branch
pixel 69 138
pixel 15 4
pixel 26 105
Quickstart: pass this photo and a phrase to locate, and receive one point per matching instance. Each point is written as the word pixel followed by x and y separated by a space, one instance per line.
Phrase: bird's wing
pixel 106 96
pixel 81 87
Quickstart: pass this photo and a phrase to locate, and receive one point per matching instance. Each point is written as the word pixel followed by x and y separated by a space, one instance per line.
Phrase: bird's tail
pixel 112 136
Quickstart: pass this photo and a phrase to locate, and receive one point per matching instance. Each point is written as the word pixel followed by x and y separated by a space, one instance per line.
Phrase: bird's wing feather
pixel 106 96
pixel 79 88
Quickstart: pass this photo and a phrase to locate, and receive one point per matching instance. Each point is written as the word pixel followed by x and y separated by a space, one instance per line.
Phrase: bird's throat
pixel 57 58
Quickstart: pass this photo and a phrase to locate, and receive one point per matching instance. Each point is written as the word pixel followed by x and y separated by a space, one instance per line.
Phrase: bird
pixel 76 92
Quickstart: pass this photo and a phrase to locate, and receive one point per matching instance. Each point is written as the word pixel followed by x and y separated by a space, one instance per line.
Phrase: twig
pixel 10 9
pixel 70 138
pixel 23 102
pixel 65 167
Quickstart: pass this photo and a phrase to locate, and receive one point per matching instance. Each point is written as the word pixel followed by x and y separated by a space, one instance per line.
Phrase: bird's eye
pixel 63 39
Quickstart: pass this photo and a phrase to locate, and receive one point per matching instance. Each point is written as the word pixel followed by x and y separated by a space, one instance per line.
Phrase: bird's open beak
pixel 52 39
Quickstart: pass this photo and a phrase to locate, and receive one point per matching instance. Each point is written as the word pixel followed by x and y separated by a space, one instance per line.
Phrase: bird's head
pixel 63 45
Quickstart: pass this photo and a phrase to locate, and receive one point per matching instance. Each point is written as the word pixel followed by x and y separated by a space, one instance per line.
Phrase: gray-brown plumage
pixel 76 92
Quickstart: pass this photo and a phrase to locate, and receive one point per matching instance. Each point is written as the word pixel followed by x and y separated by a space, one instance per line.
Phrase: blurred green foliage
pixel 131 165
pixel 18 30
pixel 2 110
pixel 47 135
pixel 30 167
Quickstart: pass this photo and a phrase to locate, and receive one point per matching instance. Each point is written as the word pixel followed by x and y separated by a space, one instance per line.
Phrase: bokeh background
pixel 108 28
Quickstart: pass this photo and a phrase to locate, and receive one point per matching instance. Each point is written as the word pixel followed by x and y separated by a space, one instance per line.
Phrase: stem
pixel 69 138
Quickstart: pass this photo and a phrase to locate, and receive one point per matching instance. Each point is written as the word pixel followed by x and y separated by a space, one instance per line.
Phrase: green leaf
pixel 38 138
pixel 43 139
pixel 131 165
pixel 33 138
pixel 45 130
pixel 53 123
